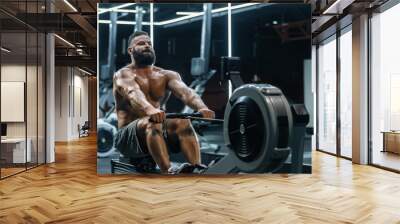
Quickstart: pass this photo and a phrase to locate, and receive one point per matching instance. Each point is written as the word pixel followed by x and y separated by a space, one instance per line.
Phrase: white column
pixel 360 90
pixel 50 98
pixel 313 109
pixel 50 92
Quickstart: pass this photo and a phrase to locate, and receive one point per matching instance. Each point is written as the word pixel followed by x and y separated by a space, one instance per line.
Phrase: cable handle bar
pixel 193 116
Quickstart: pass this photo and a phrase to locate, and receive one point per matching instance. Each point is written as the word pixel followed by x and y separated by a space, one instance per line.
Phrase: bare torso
pixel 154 87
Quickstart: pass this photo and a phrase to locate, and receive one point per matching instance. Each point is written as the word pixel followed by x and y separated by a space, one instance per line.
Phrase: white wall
pixel 70 83
pixel 16 73
pixel 61 103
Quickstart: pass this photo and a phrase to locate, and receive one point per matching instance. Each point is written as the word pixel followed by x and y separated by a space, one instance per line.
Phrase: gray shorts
pixel 127 141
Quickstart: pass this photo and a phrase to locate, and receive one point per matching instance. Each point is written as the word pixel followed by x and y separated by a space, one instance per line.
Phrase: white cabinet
pixel 19 155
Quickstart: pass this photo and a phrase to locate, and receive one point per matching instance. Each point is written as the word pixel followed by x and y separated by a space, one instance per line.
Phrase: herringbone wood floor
pixel 70 191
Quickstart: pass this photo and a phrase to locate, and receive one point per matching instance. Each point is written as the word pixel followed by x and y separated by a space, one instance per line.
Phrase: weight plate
pixel 105 138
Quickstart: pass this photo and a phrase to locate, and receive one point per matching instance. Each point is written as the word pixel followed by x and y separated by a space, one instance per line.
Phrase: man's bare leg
pixel 188 141
pixel 156 144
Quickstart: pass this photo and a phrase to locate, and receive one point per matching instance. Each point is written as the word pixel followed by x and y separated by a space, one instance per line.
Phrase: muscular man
pixel 139 90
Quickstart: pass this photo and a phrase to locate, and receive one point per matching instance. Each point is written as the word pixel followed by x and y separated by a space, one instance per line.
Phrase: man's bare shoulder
pixel 169 73
pixel 124 72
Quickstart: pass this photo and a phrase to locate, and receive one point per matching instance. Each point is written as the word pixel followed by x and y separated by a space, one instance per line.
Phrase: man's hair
pixel 135 34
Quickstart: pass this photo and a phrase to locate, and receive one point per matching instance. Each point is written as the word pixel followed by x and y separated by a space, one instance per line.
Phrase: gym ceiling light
pixel 70 5
pixel 5 50
pixel 337 7
pixel 64 40
pixel 121 22
pixel 197 14
pixel 152 21
pixel 115 8
pixel 188 15
pixel 123 10
pixel 84 71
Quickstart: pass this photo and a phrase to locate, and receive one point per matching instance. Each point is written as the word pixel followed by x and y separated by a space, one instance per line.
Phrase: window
pixel 346 93
pixel 327 96
pixel 385 88
pixel 22 76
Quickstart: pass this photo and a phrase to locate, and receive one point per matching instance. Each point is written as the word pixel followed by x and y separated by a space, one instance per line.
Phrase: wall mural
pixel 211 88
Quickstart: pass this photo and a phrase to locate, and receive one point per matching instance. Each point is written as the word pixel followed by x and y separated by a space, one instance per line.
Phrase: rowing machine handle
pixel 183 115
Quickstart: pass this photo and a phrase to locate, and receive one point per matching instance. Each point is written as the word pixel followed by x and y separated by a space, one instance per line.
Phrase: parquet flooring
pixel 69 191
pixel 9 171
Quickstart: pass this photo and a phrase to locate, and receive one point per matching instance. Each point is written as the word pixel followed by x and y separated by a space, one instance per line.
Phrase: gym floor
pixel 70 191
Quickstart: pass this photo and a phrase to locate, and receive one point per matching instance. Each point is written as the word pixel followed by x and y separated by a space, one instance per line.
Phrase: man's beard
pixel 143 59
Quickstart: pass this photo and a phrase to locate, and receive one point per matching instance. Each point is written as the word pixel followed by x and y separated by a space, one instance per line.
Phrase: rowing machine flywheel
pixel 257 128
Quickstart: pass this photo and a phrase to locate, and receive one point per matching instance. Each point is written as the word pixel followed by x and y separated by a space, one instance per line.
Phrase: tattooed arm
pixel 187 95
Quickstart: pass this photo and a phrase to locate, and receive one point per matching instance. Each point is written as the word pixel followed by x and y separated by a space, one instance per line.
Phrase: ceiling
pixel 73 21
pixel 76 21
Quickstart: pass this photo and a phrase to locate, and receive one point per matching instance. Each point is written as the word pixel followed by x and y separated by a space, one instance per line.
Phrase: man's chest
pixel 154 87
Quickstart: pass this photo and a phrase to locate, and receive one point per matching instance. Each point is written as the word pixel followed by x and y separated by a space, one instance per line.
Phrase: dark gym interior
pixel 272 49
